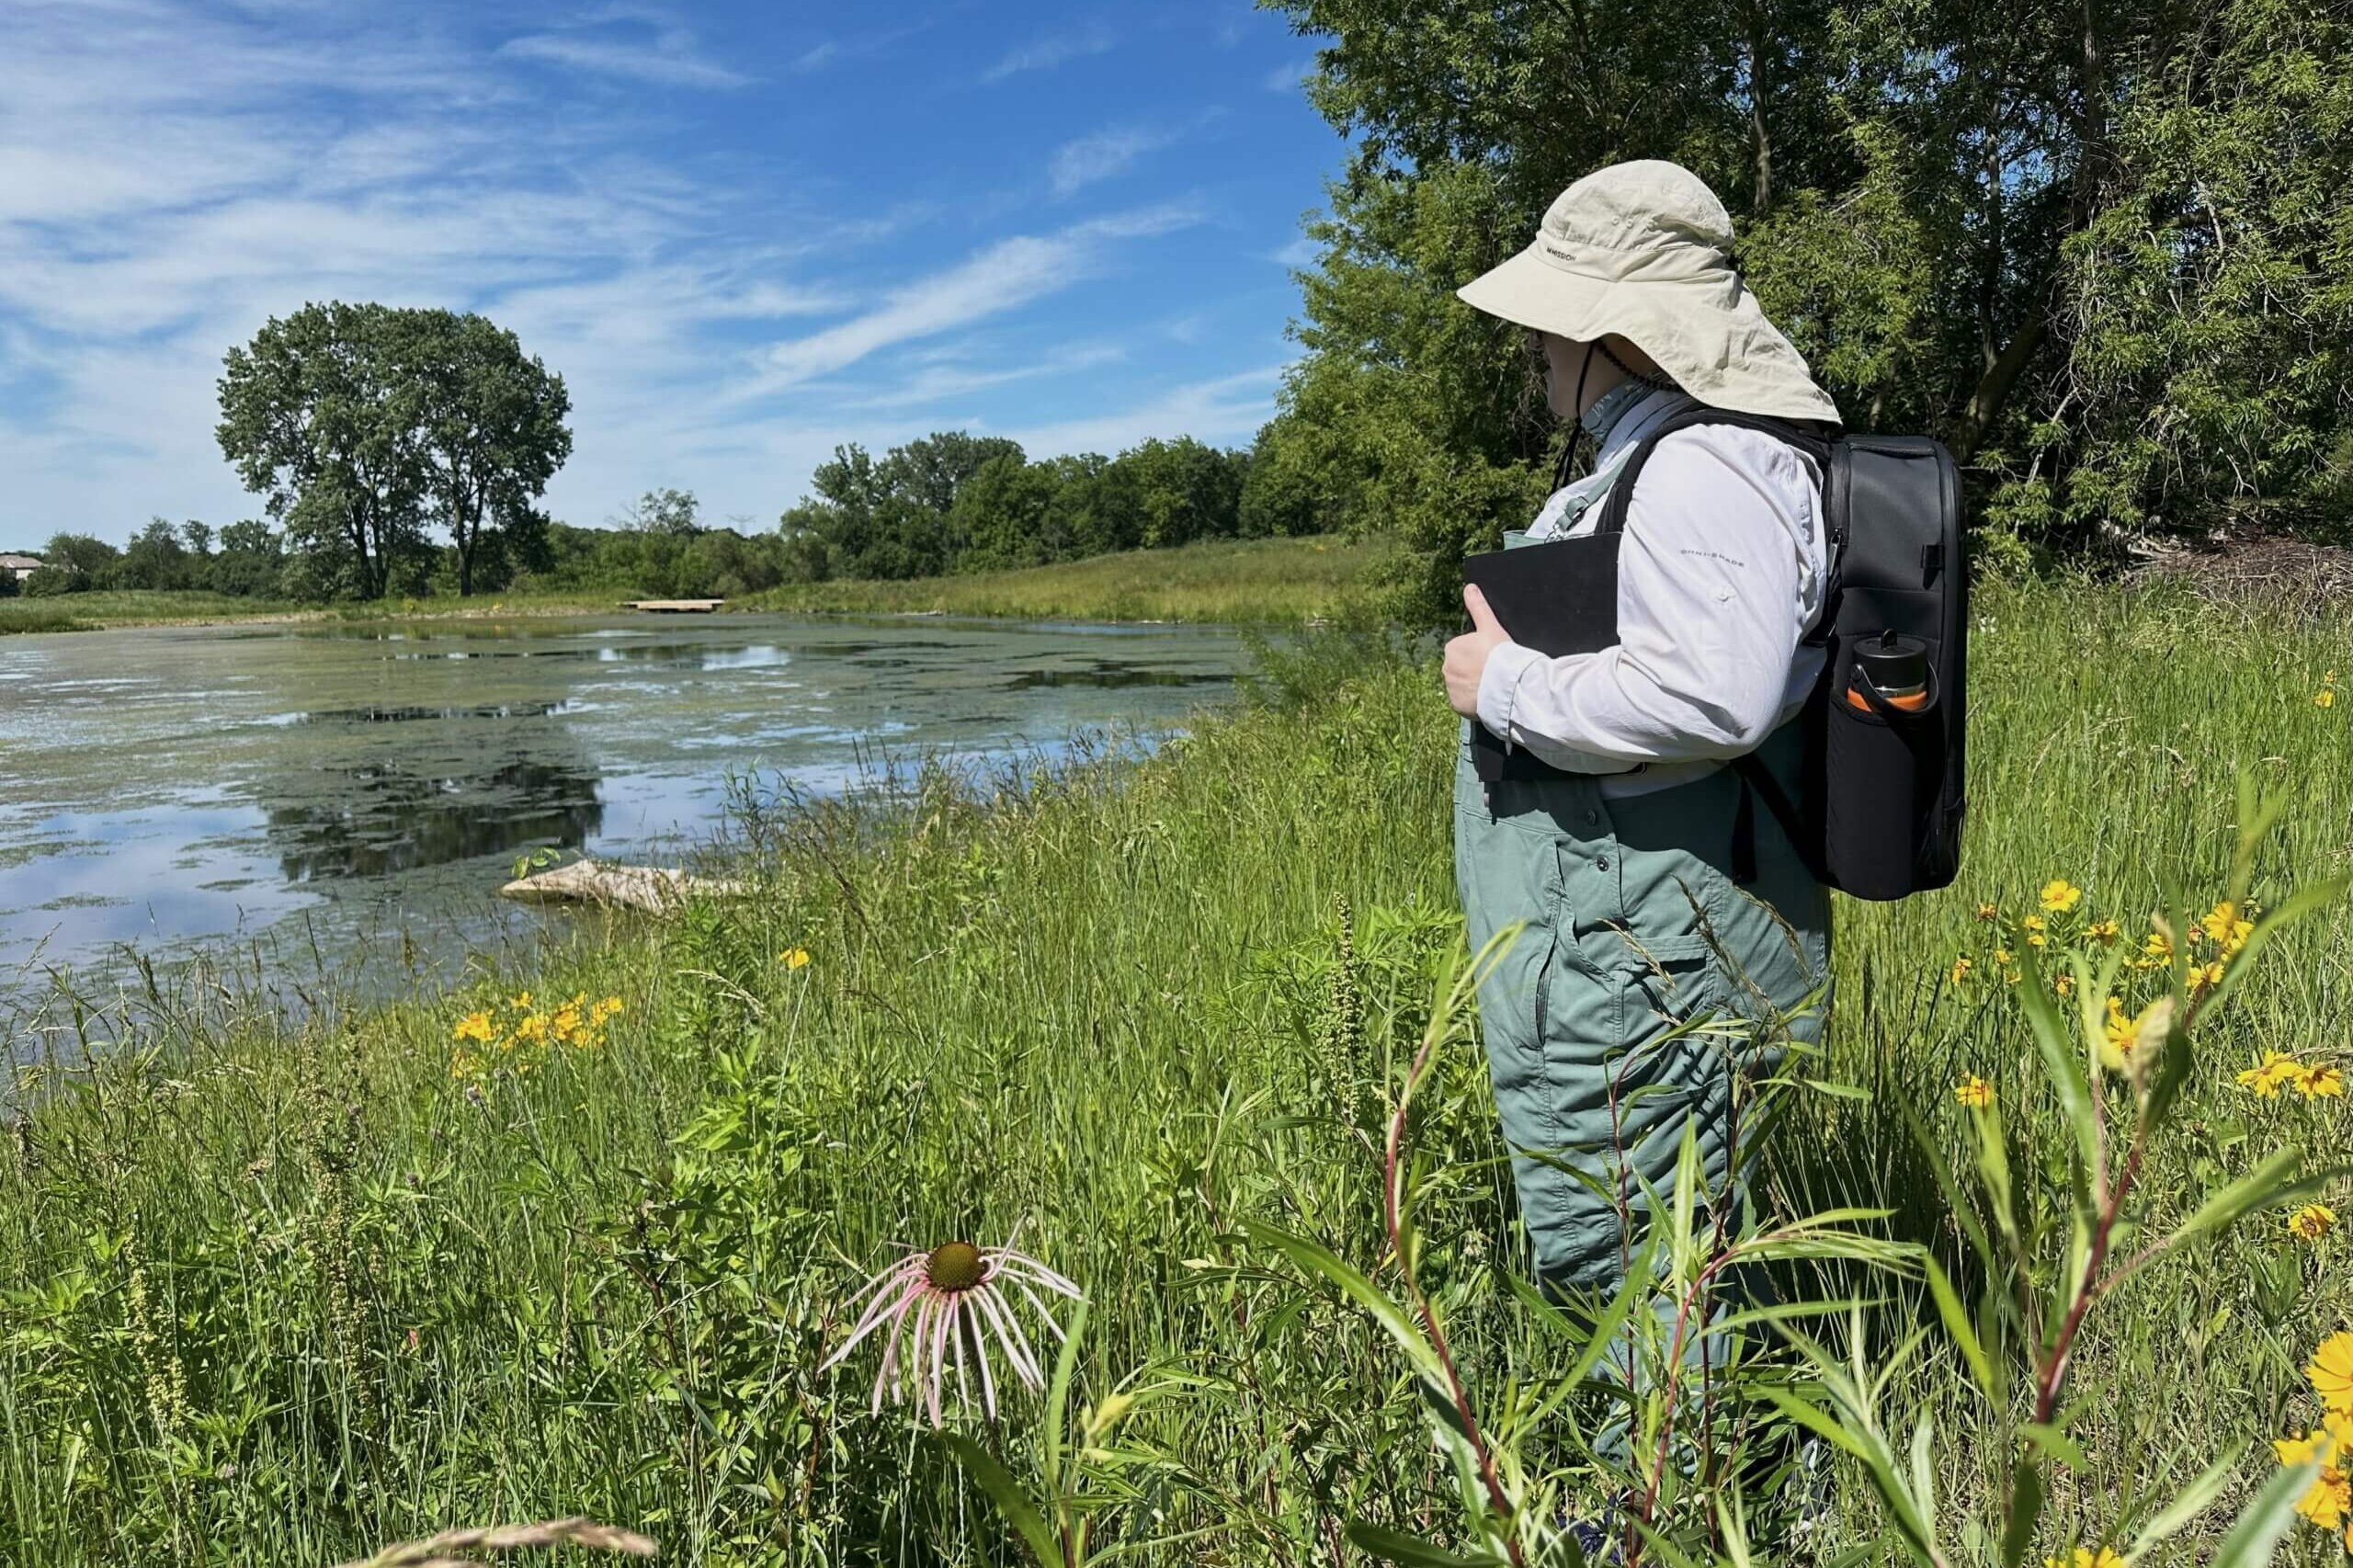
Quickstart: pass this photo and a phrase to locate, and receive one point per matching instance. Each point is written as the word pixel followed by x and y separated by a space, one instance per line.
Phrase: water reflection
pixel 173 787
pixel 381 819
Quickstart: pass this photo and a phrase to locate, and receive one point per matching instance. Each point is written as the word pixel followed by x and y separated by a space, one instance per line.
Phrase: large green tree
pixel 2095 245
pixel 320 419
pixel 493 433
pixel 363 425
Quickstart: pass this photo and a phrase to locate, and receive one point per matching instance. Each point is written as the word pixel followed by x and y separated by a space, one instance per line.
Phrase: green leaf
pixel 1316 1259
pixel 2256 1535
pixel 1007 1493
pixel 2191 1501
pixel 2026 1511
pixel 1965 1333
pixel 1386 1545
pixel 2062 1058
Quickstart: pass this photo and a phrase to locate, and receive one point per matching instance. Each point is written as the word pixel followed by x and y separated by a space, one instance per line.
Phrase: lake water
pixel 311 785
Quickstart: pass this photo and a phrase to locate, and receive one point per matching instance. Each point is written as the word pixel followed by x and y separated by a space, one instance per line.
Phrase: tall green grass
pixel 279 1295
pixel 1232 582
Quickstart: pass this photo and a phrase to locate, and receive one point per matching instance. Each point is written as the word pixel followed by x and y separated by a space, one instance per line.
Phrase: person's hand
pixel 1466 656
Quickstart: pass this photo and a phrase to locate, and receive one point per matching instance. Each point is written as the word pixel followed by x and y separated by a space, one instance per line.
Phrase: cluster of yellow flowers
pixel 2277 1070
pixel 1973 1092
pixel 793 958
pixel 2059 922
pixel 2329 1500
pixel 517 1035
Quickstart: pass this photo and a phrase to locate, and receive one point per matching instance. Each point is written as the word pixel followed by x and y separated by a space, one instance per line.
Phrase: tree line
pixel 2101 250
pixel 404 452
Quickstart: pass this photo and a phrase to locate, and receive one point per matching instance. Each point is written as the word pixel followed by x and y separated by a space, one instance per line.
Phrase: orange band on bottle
pixel 1910 702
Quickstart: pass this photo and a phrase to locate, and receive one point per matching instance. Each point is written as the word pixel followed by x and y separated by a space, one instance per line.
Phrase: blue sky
pixel 742 232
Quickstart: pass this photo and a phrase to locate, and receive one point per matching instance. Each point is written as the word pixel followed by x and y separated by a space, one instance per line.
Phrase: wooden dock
pixel 674 607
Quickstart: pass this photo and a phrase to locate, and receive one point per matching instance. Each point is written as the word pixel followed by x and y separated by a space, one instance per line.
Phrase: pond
pixel 316 788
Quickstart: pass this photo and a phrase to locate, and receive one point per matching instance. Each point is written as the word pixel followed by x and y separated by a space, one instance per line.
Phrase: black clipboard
pixel 1559 597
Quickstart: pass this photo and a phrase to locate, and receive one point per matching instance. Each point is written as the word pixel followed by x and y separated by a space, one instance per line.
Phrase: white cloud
pixel 939 382
pixel 1045 53
pixel 667 58
pixel 1301 253
pixel 1082 162
pixel 1225 409
pixel 1287 79
pixel 1003 277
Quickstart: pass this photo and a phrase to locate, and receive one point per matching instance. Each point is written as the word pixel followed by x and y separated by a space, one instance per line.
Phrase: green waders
pixel 1631 918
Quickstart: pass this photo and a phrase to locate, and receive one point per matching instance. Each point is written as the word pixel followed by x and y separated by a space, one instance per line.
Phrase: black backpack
pixel 1883 801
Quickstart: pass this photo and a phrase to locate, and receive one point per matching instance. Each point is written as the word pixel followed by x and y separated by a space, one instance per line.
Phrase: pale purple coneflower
pixel 932 1304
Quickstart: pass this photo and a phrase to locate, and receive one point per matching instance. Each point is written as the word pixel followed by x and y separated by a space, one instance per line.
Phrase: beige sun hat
pixel 1644 249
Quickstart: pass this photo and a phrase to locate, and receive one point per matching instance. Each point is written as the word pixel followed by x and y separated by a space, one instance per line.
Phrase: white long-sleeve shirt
pixel 1719 578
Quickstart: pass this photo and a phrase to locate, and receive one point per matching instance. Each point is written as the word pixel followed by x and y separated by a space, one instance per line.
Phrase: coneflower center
pixel 957 1265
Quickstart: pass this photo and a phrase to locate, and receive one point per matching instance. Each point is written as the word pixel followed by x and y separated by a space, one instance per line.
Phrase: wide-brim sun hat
pixel 1644 250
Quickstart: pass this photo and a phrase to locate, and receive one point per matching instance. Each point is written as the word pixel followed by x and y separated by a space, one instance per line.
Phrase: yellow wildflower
pixel 2265 1079
pixel 1973 1092
pixel 2063 983
pixel 1988 912
pixel 2102 931
pixel 521 1002
pixel 793 958
pixel 2324 697
pixel 475 1027
pixel 2217 921
pixel 604 1012
pixel 2311 1221
pixel 2331 1373
pixel 2321 1081
pixel 2084 1557
pixel 1960 968
pixel 2327 1500
pixel 2037 940
pixel 2059 896
pixel 2127 1040
pixel 2004 956
pixel 465 1067
pixel 2205 977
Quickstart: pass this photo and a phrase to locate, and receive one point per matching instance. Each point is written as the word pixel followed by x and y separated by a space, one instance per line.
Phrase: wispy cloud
pixel 1287 79
pixel 1003 277
pixel 1300 252
pixel 938 383
pixel 1079 164
pixel 1225 408
pixel 1054 48
pixel 664 57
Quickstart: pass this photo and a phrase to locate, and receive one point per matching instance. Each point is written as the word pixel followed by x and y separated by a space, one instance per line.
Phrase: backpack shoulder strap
pixel 1825 443
pixel 1816 440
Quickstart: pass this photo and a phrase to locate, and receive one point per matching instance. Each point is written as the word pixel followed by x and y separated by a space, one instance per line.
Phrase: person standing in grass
pixel 1648 893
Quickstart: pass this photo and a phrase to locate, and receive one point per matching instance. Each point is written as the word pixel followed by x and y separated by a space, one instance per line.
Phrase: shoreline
pixel 1284 582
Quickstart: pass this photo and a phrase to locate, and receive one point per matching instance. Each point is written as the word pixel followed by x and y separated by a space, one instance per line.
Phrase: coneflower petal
pixel 1017 1343
pixel 956 1338
pixel 871 1320
pixel 939 1325
pixel 980 1355
pixel 1022 1263
pixel 1040 1309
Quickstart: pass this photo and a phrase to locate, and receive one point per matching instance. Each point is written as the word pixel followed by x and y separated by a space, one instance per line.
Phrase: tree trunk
pixel 1994 387
pixel 1756 119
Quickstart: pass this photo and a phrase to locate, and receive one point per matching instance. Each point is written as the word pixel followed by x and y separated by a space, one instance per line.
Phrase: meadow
pixel 1227 582
pixel 280 1295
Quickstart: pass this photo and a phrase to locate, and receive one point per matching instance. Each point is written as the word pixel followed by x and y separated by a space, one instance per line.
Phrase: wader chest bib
pixel 1633 917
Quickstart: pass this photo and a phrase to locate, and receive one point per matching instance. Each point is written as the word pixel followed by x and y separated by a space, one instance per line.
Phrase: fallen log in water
pixel 653 888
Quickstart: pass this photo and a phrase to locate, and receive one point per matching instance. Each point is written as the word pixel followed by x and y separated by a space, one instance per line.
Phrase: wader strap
pixel 1756 779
